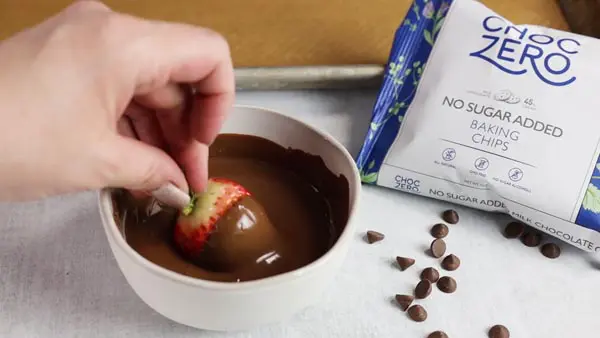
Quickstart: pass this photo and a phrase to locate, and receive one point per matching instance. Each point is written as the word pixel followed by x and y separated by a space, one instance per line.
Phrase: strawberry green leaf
pixel 190 207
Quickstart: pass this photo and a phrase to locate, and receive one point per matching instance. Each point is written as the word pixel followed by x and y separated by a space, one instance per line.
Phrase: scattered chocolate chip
pixel 438 334
pixel 417 313
pixel 404 301
pixel 438 248
pixel 439 230
pixel 374 236
pixel 450 262
pixel 404 262
pixel 499 331
pixel 450 216
pixel 531 239
pixel 550 250
pixel 447 284
pixel 430 274
pixel 514 229
pixel 423 289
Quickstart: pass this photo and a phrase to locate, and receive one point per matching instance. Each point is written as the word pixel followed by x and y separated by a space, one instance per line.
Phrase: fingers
pixel 169 104
pixel 193 158
pixel 173 124
pixel 165 54
pixel 207 116
pixel 168 96
pixel 125 128
pixel 186 54
pixel 86 6
pixel 135 165
pixel 146 126
pixel 191 155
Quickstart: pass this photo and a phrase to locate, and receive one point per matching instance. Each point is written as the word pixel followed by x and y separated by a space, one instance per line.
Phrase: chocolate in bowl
pixel 305 202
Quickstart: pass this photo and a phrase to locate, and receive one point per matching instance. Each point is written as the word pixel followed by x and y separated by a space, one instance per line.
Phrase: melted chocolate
pixel 306 204
pixel 243 236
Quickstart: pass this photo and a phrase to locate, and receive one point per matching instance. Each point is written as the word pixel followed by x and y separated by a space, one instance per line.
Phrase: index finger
pixel 196 56
pixel 213 94
pixel 209 110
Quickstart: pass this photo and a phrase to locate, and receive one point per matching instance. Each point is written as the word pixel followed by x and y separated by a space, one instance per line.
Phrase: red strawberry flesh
pixel 196 223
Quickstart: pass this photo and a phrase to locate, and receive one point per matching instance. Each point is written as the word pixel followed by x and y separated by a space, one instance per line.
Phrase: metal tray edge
pixel 308 77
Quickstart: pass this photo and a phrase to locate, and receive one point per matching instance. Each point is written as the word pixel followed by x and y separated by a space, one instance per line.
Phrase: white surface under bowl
pixel 237 306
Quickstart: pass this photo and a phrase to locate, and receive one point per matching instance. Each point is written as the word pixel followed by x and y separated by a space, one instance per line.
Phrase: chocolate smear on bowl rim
pixel 404 301
pixel 404 262
pixel 374 236
pixel 417 313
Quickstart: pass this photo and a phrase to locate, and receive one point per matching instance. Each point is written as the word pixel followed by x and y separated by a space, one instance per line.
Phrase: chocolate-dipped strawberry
pixel 224 228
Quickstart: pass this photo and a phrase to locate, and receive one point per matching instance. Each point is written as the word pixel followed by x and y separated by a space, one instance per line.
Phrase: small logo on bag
pixel 407 183
pixel 515 50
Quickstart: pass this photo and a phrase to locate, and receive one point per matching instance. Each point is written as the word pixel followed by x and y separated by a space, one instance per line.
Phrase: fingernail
pixel 171 195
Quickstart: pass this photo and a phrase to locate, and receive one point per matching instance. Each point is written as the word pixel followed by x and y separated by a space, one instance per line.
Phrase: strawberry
pixel 198 220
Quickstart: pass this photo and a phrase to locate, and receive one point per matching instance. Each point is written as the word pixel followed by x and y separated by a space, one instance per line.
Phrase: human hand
pixel 78 89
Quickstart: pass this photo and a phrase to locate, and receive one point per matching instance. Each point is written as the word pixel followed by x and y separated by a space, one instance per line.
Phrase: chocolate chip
pixel 531 239
pixel 423 289
pixel 438 334
pixel 404 262
pixel 430 274
pixel 404 301
pixel 450 216
pixel 417 313
pixel 514 230
pixel 450 263
pixel 374 236
pixel 439 230
pixel 499 331
pixel 550 250
pixel 447 284
pixel 438 248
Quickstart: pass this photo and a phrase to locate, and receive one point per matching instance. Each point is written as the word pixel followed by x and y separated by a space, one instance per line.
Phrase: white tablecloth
pixel 58 277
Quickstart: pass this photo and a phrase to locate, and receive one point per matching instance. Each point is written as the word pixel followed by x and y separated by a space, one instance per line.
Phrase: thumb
pixel 138 166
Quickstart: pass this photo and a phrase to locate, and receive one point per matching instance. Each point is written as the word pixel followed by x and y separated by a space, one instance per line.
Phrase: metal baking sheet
pixel 309 77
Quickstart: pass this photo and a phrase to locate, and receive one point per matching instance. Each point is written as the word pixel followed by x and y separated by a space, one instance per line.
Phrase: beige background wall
pixel 286 32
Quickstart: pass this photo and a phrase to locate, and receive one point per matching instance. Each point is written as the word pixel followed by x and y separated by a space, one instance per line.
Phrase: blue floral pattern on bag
pixel 413 42
pixel 589 213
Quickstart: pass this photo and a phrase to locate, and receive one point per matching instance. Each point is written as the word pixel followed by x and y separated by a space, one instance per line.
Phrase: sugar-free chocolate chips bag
pixel 481 112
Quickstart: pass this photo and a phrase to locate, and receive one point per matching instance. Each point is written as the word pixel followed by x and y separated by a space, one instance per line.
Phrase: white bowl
pixel 238 306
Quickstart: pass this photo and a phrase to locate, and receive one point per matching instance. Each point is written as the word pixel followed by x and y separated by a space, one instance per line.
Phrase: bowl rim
pixel 106 207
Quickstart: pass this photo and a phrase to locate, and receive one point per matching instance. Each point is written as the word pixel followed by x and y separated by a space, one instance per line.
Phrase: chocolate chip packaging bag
pixel 500 117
